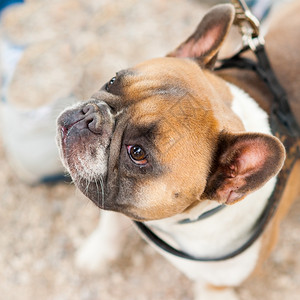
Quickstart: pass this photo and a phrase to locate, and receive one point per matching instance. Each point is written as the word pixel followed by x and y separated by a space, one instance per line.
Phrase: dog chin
pixel 92 189
pixel 97 192
pixel 87 171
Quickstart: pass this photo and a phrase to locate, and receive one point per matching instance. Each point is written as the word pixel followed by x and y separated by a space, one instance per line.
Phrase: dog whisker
pixel 87 185
pixel 98 194
pixel 102 190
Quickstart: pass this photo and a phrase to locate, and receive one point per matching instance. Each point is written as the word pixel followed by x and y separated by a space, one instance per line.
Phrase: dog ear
pixel 244 163
pixel 205 43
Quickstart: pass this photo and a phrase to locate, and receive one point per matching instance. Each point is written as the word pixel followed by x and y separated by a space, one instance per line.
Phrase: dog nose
pixel 93 117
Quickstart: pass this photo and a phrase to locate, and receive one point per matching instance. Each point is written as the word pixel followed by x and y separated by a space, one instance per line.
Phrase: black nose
pixel 93 117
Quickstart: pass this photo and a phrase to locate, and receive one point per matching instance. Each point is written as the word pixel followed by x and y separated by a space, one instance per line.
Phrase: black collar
pixel 283 125
pixel 203 216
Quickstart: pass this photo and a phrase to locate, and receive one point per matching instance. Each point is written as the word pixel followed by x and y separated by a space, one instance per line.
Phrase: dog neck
pixel 232 223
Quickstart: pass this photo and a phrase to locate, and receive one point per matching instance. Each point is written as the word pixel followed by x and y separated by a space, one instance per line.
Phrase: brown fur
pixel 271 234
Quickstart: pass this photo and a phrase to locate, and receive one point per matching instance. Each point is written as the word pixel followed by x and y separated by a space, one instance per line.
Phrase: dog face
pixel 127 149
pixel 161 137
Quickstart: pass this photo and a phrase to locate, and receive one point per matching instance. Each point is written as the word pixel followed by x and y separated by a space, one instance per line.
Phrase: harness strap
pixel 280 106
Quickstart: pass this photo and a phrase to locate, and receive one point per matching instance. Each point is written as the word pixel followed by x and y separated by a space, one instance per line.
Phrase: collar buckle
pixel 248 24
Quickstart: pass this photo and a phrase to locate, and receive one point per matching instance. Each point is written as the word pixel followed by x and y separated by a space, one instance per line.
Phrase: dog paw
pixel 215 294
pixel 96 254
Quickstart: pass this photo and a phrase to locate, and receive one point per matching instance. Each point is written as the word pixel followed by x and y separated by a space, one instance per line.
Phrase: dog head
pixel 161 137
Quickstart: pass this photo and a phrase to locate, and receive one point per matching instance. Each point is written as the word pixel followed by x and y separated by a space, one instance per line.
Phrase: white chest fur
pixel 227 230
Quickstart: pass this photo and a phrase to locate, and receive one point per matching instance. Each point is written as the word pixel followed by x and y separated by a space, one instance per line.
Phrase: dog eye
pixel 137 154
pixel 110 83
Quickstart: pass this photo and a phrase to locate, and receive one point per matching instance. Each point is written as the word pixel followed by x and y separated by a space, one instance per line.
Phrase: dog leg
pixel 105 244
pixel 206 292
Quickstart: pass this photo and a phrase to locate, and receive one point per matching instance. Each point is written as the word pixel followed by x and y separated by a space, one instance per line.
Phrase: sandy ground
pixel 43 226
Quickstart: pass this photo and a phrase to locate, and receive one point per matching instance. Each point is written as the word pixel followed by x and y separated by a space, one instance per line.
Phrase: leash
pixel 249 26
pixel 283 126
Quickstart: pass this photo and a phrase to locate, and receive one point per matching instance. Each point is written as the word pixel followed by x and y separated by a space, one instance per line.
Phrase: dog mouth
pixel 94 190
pixel 83 135
pixel 64 132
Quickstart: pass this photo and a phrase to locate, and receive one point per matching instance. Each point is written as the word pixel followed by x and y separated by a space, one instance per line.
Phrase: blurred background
pixel 57 52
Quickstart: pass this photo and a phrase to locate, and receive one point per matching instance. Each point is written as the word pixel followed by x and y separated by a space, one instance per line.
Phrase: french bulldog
pixel 171 139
